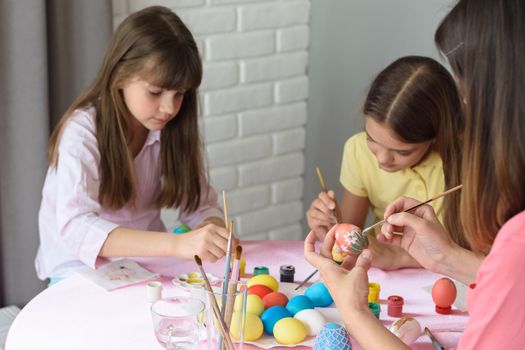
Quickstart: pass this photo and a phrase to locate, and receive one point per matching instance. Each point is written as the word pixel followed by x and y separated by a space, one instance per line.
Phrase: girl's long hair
pixel 483 41
pixel 417 98
pixel 152 43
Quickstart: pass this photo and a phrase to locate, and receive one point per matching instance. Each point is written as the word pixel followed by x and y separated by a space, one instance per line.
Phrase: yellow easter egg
pixel 253 328
pixel 265 280
pixel 254 304
pixel 289 330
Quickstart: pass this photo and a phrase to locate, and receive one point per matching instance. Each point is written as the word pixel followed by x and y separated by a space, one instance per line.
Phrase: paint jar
pixel 153 291
pixel 261 270
pixel 375 308
pixel 395 306
pixel 373 292
pixel 287 273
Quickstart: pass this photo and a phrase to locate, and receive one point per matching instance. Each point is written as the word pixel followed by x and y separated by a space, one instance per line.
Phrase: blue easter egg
pixel 273 314
pixel 298 303
pixel 181 229
pixel 333 336
pixel 319 294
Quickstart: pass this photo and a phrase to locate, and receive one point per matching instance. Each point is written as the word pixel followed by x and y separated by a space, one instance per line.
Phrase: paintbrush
pixel 226 275
pixel 435 342
pixel 223 328
pixel 415 206
pixel 225 205
pixel 232 287
pixel 337 211
pixel 338 219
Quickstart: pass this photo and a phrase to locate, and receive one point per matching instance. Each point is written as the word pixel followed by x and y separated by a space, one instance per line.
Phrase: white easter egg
pixel 407 329
pixel 312 319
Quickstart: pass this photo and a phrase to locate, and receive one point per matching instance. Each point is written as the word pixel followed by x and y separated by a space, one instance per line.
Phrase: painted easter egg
pixel 289 330
pixel 312 319
pixel 275 298
pixel 259 290
pixel 270 317
pixel 298 303
pixel 350 239
pixel 407 329
pixel 254 304
pixel 333 336
pixel 181 229
pixel 444 294
pixel 337 254
pixel 265 280
pixel 319 294
pixel 253 328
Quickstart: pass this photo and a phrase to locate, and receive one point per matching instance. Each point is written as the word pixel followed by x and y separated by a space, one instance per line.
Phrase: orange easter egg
pixel 275 299
pixel 444 294
pixel 350 239
pixel 260 290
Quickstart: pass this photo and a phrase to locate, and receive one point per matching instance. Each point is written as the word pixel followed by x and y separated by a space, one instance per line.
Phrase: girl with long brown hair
pixel 483 41
pixel 413 126
pixel 128 146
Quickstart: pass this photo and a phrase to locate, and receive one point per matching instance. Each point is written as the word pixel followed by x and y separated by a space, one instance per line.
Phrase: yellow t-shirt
pixel 362 176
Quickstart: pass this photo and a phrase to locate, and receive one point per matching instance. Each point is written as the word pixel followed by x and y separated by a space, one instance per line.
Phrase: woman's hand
pixel 349 289
pixel 419 233
pixel 386 256
pixel 320 216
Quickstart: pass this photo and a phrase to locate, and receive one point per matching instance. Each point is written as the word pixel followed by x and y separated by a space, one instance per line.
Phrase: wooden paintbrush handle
pixel 232 288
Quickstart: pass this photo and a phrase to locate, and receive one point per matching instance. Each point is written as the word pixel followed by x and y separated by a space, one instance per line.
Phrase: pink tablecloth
pixel 76 314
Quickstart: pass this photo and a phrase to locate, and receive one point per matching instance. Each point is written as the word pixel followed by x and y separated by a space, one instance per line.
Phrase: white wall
pixel 253 100
pixel 351 41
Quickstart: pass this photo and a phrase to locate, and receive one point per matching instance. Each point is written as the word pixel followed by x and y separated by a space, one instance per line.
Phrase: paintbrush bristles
pixel 198 260
pixel 238 252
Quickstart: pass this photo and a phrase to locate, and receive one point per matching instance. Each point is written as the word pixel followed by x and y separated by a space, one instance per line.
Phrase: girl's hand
pixel 422 235
pixel 209 242
pixel 320 215
pixel 349 289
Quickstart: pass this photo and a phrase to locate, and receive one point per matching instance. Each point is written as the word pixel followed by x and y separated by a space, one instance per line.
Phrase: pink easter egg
pixel 350 239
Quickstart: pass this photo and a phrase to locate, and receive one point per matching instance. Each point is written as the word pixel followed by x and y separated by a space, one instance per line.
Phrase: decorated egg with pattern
pixel 350 239
pixel 407 329
pixel 333 336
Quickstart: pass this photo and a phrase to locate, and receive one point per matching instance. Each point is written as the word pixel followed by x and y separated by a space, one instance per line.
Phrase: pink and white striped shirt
pixel 73 225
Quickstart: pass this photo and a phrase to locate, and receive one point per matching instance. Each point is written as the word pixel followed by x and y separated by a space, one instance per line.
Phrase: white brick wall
pixel 253 105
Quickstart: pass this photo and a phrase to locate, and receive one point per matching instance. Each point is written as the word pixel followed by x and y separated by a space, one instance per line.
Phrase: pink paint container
pixel 395 306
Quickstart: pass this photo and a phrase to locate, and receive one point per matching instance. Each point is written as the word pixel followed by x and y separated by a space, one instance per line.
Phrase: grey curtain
pixel 49 52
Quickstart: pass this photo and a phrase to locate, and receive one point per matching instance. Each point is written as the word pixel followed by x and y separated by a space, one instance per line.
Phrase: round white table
pixel 77 314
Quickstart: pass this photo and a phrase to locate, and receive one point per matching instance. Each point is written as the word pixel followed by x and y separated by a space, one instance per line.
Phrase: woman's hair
pixel 491 77
pixel 416 97
pixel 155 44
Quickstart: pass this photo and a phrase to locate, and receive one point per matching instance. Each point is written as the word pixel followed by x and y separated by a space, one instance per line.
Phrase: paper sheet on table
pixel 117 274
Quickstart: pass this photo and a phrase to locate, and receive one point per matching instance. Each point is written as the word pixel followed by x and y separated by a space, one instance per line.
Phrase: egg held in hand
pixel 350 239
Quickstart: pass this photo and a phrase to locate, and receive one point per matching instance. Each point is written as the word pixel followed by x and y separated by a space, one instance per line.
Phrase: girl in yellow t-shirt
pixel 413 127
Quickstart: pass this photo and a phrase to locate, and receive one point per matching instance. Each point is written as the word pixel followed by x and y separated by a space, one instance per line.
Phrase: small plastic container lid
pixel 261 270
